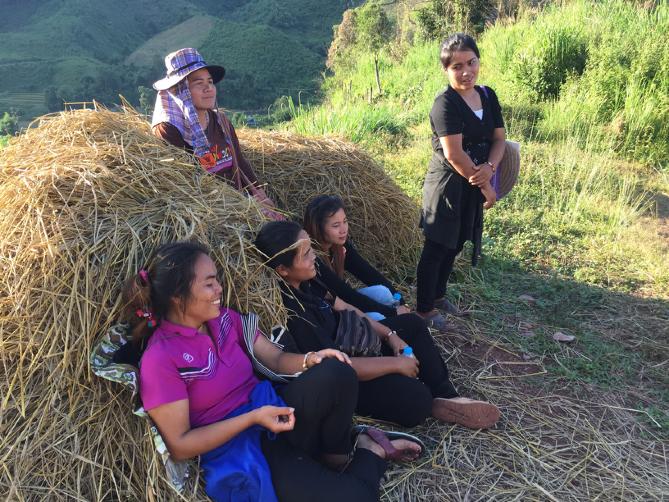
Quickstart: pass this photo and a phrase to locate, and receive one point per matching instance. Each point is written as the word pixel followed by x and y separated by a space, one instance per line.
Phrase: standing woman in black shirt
pixel 468 145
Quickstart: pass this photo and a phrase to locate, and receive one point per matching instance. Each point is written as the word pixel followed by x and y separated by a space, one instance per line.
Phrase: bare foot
pixel 435 320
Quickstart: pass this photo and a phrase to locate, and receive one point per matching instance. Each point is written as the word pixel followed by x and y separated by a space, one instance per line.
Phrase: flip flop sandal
pixel 384 438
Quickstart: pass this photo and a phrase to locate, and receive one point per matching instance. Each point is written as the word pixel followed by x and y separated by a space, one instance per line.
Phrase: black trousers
pixel 324 398
pixel 398 398
pixel 434 269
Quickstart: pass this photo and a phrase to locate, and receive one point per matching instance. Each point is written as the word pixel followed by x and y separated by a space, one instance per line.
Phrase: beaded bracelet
pixel 304 362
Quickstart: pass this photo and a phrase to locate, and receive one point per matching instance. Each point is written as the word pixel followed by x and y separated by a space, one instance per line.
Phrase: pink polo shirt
pixel 182 363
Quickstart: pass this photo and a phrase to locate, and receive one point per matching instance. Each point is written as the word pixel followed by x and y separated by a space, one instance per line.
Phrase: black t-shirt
pixel 312 323
pixel 362 270
pixel 450 115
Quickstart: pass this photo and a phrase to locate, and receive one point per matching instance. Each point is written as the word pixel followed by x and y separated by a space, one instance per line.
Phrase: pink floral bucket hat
pixel 181 63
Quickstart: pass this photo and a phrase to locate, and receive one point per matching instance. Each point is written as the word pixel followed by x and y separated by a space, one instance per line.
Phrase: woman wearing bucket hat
pixel 186 116
pixel 468 142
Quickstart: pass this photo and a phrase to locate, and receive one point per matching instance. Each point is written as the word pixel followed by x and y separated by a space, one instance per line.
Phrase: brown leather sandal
pixel 467 412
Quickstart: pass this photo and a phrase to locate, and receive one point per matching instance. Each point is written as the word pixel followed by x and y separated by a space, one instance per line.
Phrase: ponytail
pixel 149 295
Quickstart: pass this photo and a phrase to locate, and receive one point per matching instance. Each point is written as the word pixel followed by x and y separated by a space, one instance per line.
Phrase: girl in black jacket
pixel 404 390
pixel 326 223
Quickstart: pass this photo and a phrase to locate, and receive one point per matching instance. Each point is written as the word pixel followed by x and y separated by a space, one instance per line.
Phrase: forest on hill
pixel 79 50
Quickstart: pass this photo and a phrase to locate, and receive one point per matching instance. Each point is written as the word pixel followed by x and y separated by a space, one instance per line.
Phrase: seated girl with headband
pixel 393 387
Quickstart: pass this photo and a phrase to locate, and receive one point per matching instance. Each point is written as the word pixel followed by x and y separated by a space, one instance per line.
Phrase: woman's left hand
pixel 482 175
pixel 317 357
pixel 267 205
pixel 396 344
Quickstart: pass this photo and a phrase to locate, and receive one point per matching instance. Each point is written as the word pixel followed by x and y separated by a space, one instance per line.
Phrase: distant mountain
pixel 79 50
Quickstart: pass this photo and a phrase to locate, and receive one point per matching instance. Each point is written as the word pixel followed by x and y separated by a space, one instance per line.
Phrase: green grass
pixel 578 232
pixel 618 101
pixel 191 33
pixel 262 62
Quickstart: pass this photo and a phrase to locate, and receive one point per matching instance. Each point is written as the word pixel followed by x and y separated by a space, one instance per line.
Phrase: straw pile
pixel 383 220
pixel 86 196
pixel 84 199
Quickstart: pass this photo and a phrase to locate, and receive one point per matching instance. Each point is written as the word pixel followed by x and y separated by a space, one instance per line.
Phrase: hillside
pixel 584 233
pixel 580 246
pixel 78 50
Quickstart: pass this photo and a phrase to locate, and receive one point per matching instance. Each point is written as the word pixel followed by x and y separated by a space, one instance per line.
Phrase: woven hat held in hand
pixel 506 175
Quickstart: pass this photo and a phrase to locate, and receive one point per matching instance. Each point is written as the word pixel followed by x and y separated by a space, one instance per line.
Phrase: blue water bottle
pixel 408 352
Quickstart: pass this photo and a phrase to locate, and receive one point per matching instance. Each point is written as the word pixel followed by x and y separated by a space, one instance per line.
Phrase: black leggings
pixel 434 269
pixel 324 398
pixel 398 398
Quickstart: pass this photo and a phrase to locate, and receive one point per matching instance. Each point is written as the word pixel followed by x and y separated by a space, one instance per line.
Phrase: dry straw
pixel 383 219
pixel 87 195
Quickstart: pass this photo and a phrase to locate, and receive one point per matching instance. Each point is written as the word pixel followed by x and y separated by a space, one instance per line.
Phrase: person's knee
pixel 332 374
pixel 379 293
pixel 409 326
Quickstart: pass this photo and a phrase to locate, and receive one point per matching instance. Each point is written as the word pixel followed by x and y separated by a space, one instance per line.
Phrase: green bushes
pixel 358 122
pixel 583 85
pixel 544 61
pixel 442 17
pixel 598 71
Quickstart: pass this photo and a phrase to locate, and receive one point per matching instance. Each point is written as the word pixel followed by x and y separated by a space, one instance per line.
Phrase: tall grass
pixel 357 122
pixel 617 100
pixel 584 93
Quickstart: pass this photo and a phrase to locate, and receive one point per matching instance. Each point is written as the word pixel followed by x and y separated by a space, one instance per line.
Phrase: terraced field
pixel 30 104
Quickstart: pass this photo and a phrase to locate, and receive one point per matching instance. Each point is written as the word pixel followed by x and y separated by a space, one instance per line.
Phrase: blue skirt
pixel 237 470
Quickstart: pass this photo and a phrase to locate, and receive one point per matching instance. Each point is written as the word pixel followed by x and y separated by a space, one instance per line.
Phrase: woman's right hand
pixel 275 418
pixel 407 366
pixel 482 175
pixel 315 358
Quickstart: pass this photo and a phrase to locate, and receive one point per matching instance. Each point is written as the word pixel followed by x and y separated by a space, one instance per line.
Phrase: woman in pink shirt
pixel 198 385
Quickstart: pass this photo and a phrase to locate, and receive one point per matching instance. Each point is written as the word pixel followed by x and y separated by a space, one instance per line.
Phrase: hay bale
pixel 86 197
pixel 383 219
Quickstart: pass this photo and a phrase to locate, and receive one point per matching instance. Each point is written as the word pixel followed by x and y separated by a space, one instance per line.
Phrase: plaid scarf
pixel 178 110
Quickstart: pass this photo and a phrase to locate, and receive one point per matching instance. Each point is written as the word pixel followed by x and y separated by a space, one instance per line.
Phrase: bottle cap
pixel 407 351
pixel 397 296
